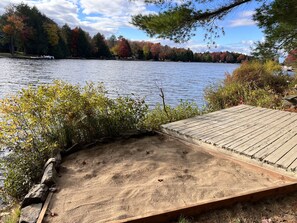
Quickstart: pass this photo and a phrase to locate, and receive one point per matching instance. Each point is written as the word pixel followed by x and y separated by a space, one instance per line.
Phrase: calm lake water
pixel 178 80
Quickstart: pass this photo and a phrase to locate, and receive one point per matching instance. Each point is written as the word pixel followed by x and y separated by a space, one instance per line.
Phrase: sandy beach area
pixel 145 176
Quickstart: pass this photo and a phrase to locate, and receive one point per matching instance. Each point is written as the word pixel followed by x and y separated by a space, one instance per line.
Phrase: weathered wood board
pixel 264 135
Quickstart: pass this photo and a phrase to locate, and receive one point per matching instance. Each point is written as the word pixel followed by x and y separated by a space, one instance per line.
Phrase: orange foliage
pixel 8 29
pixel 14 24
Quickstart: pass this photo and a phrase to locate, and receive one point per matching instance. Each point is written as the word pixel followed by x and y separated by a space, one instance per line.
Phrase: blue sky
pixel 114 16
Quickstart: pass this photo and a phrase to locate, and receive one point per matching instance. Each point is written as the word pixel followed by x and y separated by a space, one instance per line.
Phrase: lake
pixel 178 80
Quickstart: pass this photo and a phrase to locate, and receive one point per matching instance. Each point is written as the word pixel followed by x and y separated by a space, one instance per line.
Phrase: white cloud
pixel 241 22
pixel 244 19
pixel 248 13
pixel 112 8
pixel 239 47
pixel 61 11
pixel 243 46
pixel 102 16
pixel 6 3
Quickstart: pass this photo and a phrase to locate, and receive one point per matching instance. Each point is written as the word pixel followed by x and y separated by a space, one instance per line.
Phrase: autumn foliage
pixel 123 49
pixel 27 30
pixel 292 58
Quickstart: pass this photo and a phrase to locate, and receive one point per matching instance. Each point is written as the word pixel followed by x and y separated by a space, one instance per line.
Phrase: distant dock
pixel 265 135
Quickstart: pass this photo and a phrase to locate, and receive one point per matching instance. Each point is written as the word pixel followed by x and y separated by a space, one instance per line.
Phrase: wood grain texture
pixel 264 135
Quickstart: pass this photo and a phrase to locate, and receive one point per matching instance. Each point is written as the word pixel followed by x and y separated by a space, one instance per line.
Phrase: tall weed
pixel 158 116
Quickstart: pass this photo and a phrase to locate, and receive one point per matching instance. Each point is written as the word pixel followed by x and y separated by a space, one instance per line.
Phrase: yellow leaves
pixel 52 33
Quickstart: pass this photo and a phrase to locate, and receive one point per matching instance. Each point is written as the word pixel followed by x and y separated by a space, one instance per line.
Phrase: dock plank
pixel 289 158
pixel 244 135
pixel 262 154
pixel 267 137
pixel 223 125
pixel 251 136
pixel 210 121
pixel 240 128
pixel 237 109
pixel 264 135
pixel 281 151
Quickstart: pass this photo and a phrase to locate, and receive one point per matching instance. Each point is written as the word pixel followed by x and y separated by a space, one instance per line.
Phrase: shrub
pixel 14 216
pixel 158 116
pixel 40 121
pixel 260 75
pixel 253 83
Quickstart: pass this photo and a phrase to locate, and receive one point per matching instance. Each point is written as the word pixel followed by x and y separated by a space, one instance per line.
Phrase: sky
pixel 113 17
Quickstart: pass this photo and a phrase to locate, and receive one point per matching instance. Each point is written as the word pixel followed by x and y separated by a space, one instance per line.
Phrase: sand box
pixel 139 177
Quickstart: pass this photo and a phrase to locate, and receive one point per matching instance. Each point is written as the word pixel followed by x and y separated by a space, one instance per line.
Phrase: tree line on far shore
pixel 25 29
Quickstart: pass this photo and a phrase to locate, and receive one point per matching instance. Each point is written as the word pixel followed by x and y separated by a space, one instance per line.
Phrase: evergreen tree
pixel 177 21
pixel 101 48
pixel 38 43
pixel 83 44
pixel 279 23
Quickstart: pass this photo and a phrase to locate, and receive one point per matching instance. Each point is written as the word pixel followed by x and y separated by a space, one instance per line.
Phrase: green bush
pixel 158 116
pixel 260 75
pixel 253 83
pixel 40 121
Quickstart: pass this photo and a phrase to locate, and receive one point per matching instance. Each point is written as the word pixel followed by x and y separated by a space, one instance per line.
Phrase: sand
pixel 139 177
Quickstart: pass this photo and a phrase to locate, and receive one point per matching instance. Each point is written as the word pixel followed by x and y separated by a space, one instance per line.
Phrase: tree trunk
pixel 12 46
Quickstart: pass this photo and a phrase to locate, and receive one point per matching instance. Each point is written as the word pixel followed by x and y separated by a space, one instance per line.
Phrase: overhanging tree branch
pixel 220 11
pixel 177 23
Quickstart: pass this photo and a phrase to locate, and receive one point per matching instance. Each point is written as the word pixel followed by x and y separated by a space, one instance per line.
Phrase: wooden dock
pixel 265 135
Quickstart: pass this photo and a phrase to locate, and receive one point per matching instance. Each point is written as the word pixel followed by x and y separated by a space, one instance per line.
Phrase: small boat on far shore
pixel 43 57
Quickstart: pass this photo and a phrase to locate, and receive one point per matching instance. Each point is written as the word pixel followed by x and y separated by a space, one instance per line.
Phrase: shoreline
pixel 36 57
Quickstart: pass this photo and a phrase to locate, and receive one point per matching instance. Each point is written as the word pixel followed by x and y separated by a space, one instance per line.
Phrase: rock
pixel 37 194
pixel 51 160
pixel 58 158
pixel 49 177
pixel 30 213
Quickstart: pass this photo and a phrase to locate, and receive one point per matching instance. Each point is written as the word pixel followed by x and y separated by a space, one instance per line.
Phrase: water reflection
pixel 179 80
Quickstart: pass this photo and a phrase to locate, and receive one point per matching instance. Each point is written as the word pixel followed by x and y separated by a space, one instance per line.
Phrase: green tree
pixel 80 43
pixel 101 48
pixel 177 21
pixel 279 23
pixel 83 44
pixel 52 30
pixel 66 34
pixel 112 41
pixel 147 51
pixel 38 43
pixel 60 50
